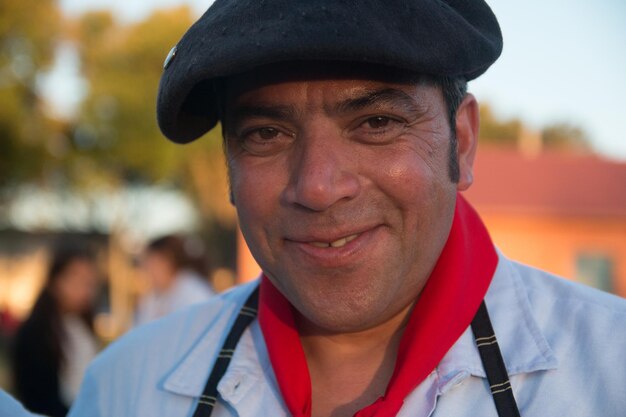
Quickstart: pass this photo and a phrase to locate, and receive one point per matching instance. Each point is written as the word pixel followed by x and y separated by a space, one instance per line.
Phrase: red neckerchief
pixel 443 311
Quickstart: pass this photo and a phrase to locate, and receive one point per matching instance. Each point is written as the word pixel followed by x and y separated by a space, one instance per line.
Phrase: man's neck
pixel 350 370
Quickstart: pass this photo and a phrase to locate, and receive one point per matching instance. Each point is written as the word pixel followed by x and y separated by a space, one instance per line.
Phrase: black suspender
pixel 208 399
pixel 493 363
pixel 481 326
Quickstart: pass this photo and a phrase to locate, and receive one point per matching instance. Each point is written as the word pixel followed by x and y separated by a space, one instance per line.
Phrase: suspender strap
pixel 494 364
pixel 247 314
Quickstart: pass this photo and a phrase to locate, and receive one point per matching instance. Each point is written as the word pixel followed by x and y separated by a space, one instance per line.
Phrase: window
pixel 596 270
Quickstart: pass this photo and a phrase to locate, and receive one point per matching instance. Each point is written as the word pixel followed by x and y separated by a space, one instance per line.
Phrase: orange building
pixel 562 212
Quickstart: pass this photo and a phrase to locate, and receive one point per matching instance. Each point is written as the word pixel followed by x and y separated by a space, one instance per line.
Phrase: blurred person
pixel 175 279
pixel 56 342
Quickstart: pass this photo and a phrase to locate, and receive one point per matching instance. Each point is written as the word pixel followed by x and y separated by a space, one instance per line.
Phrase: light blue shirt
pixel 11 408
pixel 563 345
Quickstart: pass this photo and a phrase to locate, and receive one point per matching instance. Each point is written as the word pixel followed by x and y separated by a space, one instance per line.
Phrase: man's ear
pixel 467 124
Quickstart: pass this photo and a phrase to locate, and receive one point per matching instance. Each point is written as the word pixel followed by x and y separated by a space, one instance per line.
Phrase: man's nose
pixel 323 170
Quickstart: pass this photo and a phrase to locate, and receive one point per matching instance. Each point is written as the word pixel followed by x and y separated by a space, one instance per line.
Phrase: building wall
pixel 559 244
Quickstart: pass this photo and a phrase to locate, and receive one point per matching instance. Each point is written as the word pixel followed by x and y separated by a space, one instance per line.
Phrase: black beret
pixel 459 38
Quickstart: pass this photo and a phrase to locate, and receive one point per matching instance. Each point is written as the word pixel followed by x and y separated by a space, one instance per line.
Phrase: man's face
pixel 342 188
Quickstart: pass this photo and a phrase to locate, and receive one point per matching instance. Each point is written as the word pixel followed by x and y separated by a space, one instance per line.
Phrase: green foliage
pixel 114 139
pixel 28 29
pixel 21 154
pixel 559 136
pixel 494 130
pixel 123 65
pixel 117 129
pixel 565 136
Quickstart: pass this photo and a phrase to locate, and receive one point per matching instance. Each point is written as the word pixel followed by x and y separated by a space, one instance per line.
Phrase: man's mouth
pixel 337 243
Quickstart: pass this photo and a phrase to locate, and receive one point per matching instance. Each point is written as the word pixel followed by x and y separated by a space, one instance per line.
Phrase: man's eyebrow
pixel 247 111
pixel 377 97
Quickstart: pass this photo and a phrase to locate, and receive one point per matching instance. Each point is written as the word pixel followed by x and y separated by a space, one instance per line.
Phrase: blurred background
pixel 82 159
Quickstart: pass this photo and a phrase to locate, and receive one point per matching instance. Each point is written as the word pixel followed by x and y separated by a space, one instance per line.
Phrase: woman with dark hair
pixel 56 342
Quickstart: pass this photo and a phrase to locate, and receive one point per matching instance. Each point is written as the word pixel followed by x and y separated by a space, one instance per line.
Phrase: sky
pixel 563 61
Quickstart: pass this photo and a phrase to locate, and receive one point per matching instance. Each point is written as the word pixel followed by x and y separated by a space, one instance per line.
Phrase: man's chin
pixel 339 317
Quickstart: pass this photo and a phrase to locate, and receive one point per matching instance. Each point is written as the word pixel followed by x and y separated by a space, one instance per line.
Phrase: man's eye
pixel 264 140
pixel 378 129
pixel 378 122
pixel 261 134
pixel 267 133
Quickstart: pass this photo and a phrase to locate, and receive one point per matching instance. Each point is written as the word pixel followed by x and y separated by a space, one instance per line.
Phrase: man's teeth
pixel 337 243
pixel 319 244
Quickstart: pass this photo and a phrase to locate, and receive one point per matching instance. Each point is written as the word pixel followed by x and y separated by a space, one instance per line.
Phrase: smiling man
pixel 341 179
pixel 349 134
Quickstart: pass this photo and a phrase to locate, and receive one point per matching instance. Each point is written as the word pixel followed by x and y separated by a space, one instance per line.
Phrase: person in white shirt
pixel 174 281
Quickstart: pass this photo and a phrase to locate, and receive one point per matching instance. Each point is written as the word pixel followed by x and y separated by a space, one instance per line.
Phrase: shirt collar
pixel 249 384
pixel 188 377
pixel 521 341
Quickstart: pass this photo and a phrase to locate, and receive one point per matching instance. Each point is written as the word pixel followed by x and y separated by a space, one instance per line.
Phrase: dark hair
pixel 454 91
pixel 172 247
pixel 183 253
pixel 46 311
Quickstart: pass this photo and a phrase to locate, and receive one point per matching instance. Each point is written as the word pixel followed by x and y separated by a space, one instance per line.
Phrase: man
pixel 349 133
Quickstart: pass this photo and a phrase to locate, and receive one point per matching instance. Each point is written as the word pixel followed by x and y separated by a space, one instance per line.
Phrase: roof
pixel 548 183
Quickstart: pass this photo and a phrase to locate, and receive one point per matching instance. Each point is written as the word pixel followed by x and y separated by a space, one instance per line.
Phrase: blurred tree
pixel 123 65
pixel 565 136
pixel 113 140
pixel 509 132
pixel 498 131
pixel 28 33
pixel 117 127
